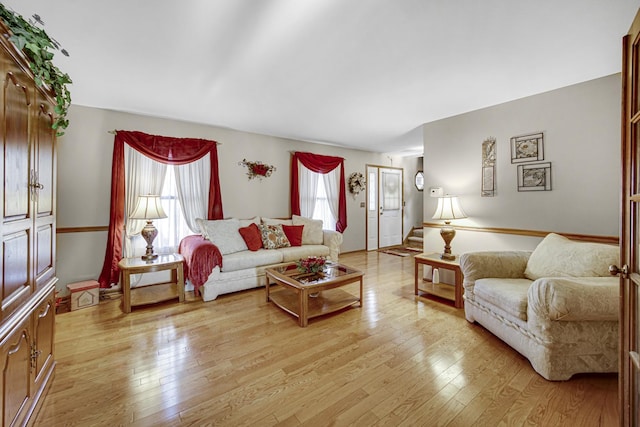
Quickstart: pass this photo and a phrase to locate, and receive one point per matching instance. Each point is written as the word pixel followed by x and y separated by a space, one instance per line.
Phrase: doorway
pixel 385 206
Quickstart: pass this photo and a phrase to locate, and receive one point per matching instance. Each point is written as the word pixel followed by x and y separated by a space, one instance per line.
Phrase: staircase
pixel 415 238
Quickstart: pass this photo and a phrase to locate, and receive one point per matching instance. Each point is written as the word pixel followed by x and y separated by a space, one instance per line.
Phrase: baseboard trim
pixel 612 240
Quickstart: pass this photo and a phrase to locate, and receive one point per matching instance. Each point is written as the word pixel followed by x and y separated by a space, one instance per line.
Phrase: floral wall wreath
pixel 257 169
pixel 356 183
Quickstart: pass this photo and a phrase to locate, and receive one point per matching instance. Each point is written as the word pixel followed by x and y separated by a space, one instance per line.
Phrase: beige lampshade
pixel 148 207
pixel 449 208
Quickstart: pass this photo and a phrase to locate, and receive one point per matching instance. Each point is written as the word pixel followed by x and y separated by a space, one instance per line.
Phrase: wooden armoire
pixel 28 231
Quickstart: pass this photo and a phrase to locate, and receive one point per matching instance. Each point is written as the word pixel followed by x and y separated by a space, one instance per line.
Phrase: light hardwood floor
pixel 398 361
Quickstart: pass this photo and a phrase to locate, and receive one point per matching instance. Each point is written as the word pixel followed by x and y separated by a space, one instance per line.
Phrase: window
pixel 173 228
pixel 322 210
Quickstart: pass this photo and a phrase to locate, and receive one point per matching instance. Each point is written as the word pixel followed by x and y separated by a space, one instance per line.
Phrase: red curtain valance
pixel 318 164
pixel 173 151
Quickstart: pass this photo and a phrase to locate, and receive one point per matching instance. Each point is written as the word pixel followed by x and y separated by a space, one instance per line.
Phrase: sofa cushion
pixel 273 237
pixel 252 236
pixel 294 253
pixel 293 233
pixel 557 256
pixel 247 259
pixel 312 232
pixel 224 234
pixel 508 294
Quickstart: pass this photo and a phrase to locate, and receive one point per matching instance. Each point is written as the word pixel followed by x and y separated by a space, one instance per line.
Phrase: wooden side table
pixel 442 290
pixel 156 292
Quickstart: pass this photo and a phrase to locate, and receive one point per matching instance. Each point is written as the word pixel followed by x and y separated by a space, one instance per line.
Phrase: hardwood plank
pixel 238 360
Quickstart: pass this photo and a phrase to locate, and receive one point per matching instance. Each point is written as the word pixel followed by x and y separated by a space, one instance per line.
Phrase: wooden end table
pixel 442 290
pixel 295 296
pixel 156 292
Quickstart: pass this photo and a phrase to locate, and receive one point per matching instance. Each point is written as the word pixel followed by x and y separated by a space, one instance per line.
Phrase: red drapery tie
pixel 319 164
pixel 172 151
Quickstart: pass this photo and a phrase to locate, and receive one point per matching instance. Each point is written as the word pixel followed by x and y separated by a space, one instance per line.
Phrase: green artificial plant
pixel 37 46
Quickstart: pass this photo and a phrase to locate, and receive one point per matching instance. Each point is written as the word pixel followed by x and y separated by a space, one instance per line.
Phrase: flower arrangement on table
pixel 311 264
pixel 257 169
pixel 356 182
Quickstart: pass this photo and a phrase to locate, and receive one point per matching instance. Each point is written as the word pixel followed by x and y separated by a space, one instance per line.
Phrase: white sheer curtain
pixel 142 176
pixel 192 183
pixel 332 187
pixel 308 188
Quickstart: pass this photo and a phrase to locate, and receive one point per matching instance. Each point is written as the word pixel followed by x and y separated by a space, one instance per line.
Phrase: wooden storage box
pixel 84 294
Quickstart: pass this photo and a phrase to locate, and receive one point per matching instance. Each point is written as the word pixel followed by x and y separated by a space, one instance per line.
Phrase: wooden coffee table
pixel 307 295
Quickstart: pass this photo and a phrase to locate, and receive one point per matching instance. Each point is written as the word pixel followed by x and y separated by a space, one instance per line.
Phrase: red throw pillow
pixel 252 237
pixel 293 233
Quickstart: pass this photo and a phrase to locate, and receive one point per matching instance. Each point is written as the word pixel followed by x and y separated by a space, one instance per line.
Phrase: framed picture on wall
pixel 534 177
pixel 527 148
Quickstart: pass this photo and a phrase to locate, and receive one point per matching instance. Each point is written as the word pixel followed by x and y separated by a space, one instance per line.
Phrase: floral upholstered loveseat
pixel 558 306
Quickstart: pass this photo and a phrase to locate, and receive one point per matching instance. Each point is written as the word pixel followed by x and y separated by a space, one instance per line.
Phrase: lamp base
pixel 148 233
pixel 448 257
pixel 447 232
pixel 149 257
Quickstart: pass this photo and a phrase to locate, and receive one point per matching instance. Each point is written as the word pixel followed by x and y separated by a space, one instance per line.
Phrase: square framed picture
pixel 527 148
pixel 534 177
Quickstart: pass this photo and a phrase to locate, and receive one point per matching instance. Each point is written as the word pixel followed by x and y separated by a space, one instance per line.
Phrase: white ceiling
pixel 358 73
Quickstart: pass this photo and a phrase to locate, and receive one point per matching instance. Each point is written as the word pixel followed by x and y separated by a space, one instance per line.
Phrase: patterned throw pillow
pixel 273 237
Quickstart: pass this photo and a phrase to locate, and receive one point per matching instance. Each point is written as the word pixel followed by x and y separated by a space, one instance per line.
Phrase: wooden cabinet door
pixel 43 187
pixel 43 333
pixel 630 233
pixel 16 221
pixel 15 365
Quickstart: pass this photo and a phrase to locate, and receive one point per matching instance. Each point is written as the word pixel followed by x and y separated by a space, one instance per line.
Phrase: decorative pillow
pixel 276 221
pixel 312 233
pixel 557 256
pixel 224 234
pixel 201 223
pixel 252 237
pixel 293 233
pixel 273 237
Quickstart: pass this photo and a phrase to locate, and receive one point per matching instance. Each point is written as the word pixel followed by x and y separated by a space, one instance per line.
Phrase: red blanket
pixel 200 258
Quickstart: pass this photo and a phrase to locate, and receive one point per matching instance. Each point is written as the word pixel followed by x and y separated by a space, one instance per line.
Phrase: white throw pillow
pixel 312 232
pixel 557 256
pixel 224 234
pixel 276 221
pixel 248 222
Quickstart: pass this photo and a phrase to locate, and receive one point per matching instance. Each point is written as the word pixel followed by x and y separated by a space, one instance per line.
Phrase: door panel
pixel 372 208
pixel 630 230
pixel 390 195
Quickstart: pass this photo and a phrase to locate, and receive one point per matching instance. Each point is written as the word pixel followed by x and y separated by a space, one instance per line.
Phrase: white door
pixel 372 208
pixel 390 207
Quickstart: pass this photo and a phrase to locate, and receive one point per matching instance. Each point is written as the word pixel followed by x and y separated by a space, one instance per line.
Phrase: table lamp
pixel 448 208
pixel 149 207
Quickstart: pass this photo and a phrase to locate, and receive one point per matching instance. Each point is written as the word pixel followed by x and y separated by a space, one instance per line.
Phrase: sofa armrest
pixel 574 298
pixel 332 239
pixel 498 264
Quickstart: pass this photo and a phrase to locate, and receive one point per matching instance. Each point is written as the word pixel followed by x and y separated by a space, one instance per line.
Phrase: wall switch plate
pixel 436 192
pixel 362 204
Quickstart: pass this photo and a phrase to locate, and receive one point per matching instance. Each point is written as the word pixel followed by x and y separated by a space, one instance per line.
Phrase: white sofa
pixel 245 269
pixel 558 306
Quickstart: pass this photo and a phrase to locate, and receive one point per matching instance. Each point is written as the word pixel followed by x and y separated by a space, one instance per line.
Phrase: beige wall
pixel 84 173
pixel 581 125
